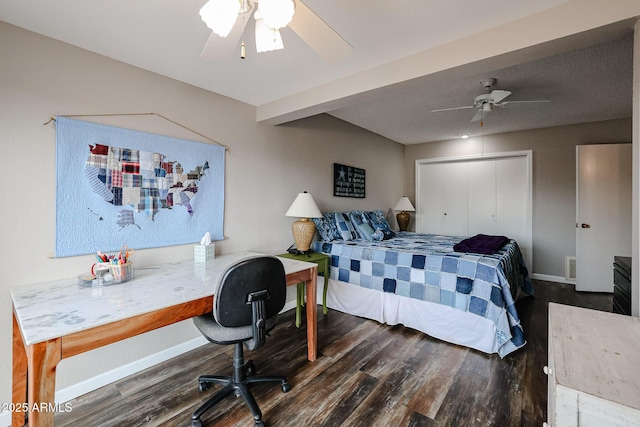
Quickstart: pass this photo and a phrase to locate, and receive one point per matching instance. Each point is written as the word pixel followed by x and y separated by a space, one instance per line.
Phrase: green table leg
pixel 300 298
pixel 324 293
pixel 299 301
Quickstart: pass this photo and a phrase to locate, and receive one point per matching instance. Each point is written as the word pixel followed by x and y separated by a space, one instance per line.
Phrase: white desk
pixel 55 320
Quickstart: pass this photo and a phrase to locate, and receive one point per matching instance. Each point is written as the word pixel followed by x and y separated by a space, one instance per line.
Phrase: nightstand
pixel 323 268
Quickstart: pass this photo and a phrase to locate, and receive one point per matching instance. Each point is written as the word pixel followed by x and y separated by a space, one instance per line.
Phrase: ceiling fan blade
pixel 453 108
pixel 224 47
pixel 478 116
pixel 524 102
pixel 318 35
pixel 498 95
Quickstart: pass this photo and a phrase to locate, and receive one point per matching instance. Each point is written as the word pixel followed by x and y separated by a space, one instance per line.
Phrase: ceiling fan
pixel 228 19
pixel 485 102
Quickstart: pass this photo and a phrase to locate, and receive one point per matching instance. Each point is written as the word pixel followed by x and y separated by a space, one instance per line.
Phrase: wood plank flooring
pixel 367 374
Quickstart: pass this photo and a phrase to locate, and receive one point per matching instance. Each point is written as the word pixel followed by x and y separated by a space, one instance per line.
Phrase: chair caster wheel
pixel 203 386
pixel 259 423
pixel 286 387
pixel 196 423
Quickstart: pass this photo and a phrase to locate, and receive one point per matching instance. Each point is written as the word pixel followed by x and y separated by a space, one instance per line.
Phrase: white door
pixel 482 197
pixel 428 214
pixel 603 213
pixel 444 203
pixel 455 197
pixel 513 203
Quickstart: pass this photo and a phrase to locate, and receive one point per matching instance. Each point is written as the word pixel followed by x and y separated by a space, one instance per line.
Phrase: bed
pixel 418 280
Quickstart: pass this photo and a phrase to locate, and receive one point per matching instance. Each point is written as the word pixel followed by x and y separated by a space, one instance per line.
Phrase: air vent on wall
pixel 570 268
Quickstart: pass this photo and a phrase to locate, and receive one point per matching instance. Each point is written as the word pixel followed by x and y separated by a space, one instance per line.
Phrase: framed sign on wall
pixel 348 181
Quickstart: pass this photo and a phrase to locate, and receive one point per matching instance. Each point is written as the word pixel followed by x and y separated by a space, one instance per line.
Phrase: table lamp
pixel 303 207
pixel 404 205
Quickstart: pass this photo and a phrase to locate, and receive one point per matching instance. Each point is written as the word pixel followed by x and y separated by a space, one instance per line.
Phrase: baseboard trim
pixel 5 419
pixel 548 278
pixel 288 306
pixel 123 371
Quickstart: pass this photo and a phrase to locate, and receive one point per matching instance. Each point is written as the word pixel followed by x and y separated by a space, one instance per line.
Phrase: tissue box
pixel 204 253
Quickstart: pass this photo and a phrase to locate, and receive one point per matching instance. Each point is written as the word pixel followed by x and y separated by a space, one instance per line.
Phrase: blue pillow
pixel 364 229
pixel 378 222
pixel 382 220
pixel 345 228
pixel 326 227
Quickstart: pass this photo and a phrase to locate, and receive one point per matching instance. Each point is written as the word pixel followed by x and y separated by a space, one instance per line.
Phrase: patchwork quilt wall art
pixel 118 186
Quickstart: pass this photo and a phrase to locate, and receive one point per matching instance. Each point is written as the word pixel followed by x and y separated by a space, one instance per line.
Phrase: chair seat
pixel 217 334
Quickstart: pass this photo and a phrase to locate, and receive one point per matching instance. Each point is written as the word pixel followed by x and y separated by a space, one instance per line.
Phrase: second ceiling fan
pixel 486 102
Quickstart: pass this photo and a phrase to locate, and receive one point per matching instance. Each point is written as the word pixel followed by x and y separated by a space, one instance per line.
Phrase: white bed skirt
pixel 438 321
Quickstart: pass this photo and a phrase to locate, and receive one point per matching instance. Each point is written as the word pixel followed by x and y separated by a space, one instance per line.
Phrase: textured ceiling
pixel 406 61
pixel 584 85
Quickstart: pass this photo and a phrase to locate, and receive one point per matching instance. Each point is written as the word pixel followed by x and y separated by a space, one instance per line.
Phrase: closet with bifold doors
pixel 465 196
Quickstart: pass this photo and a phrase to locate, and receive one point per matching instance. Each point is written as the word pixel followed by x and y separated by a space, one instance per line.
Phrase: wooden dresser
pixel 594 368
pixel 622 285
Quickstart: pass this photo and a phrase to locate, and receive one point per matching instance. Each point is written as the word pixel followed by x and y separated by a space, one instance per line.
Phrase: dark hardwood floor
pixel 367 374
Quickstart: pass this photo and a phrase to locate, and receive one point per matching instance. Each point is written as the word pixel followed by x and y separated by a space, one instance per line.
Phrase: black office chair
pixel 247 300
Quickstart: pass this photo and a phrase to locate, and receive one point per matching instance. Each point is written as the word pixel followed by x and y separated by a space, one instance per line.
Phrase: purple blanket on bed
pixel 481 244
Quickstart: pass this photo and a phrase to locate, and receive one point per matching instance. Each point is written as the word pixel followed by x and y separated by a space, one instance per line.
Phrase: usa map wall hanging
pixel 118 186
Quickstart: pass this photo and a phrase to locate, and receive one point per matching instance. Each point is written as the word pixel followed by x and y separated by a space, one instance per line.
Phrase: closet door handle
pixel 585 225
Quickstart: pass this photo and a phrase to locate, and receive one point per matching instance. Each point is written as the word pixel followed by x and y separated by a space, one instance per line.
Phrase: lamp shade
pixel 304 207
pixel 404 204
pixel 220 15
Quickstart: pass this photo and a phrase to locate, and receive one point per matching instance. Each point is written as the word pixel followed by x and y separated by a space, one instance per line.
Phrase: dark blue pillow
pixel 326 227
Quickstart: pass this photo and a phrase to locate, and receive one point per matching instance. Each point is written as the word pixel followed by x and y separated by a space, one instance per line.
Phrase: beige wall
pixel 266 167
pixel 554 178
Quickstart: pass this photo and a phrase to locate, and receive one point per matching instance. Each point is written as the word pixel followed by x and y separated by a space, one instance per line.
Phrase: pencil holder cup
pixel 204 253
pixel 122 272
pixel 105 273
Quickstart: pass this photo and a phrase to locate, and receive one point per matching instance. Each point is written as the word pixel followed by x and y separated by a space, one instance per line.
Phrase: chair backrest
pixel 245 281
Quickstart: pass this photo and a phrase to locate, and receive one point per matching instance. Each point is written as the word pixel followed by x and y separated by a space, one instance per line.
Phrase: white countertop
pixel 58 308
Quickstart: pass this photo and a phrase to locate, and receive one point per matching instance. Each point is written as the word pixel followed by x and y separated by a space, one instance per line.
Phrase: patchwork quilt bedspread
pixel 425 266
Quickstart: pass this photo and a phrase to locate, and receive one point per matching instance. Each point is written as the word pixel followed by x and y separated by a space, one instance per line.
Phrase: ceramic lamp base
pixel 403 220
pixel 303 231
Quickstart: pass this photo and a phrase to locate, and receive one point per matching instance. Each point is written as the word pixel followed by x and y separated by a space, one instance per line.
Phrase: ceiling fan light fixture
pixel 267 38
pixel 276 13
pixel 486 107
pixel 220 15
